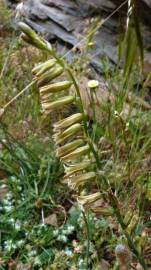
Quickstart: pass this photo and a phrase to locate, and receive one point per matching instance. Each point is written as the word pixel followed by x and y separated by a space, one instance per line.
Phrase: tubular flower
pixel 75 118
pixel 57 104
pixel 67 148
pixel 77 167
pixel 81 179
pixel 55 87
pixel 60 137
pixel 89 199
pixel 49 75
pixel 77 153
pixel 41 68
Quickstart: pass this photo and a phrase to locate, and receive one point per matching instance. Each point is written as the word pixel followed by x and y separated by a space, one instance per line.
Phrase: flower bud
pixel 102 210
pixel 31 37
pixel 65 149
pixel 55 87
pixel 41 68
pixel 60 137
pixel 79 180
pixel 89 199
pixel 72 169
pixel 58 104
pixel 25 28
pixel 75 118
pixel 83 150
pixel 49 76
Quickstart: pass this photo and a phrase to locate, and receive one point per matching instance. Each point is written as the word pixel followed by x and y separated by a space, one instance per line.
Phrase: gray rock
pixel 66 20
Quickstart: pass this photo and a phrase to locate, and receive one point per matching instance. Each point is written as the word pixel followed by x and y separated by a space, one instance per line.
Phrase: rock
pixel 51 220
pixel 65 21
pixel 148 2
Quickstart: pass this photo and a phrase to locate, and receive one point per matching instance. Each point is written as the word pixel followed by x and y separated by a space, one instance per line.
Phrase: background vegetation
pixel 41 225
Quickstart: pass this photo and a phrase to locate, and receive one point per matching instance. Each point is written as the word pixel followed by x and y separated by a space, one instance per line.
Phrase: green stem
pixel 18 95
pixel 86 220
pixel 47 179
pixel 94 114
pixel 80 100
pixel 131 244
pixel 127 147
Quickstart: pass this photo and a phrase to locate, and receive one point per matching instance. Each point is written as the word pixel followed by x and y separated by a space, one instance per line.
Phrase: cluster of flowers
pixel 72 146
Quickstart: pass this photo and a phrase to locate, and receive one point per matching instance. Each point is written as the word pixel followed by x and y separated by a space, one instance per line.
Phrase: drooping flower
pixel 77 153
pixel 75 118
pixel 69 147
pixel 89 199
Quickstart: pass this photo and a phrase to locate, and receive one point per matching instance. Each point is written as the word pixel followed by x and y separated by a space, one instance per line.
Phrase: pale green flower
pixel 64 123
pixel 77 167
pixel 60 137
pixel 80 151
pixel 43 67
pixel 48 107
pixel 67 148
pixel 78 180
pixel 89 199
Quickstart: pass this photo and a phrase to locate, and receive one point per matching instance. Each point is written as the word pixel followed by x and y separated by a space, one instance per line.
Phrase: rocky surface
pixel 65 21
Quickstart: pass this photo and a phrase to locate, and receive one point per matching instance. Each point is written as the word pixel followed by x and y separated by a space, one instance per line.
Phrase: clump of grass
pixel 5 17
pixel 29 234
pixel 14 76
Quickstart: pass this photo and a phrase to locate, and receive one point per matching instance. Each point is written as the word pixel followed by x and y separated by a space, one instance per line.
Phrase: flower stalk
pixel 77 174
